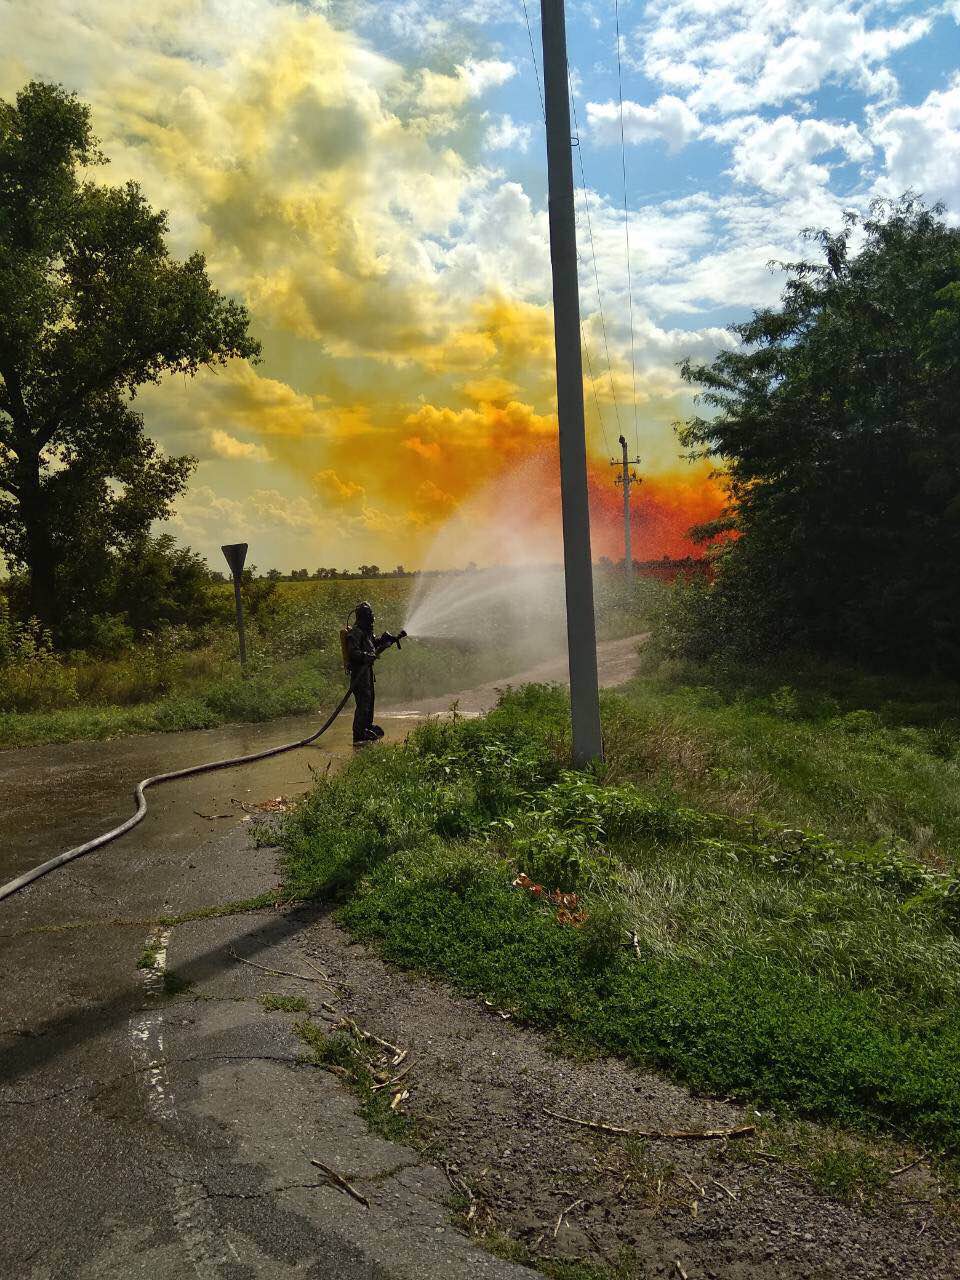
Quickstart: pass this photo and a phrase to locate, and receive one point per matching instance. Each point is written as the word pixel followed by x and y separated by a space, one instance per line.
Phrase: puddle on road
pixel 56 796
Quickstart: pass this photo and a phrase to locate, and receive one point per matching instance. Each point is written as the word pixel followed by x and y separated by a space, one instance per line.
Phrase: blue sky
pixel 787 111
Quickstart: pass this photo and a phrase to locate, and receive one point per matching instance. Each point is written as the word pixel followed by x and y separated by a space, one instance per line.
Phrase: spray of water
pixel 515 603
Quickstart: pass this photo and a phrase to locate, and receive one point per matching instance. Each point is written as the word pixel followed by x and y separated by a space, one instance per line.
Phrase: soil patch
pixel 480 1087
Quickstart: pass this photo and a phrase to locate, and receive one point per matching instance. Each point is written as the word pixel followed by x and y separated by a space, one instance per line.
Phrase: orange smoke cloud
pixel 663 509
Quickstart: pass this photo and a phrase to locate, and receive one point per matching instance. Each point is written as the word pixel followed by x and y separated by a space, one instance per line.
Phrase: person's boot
pixel 376 731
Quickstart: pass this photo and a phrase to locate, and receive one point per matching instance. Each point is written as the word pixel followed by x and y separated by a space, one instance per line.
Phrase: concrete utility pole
pixel 627 478
pixel 577 560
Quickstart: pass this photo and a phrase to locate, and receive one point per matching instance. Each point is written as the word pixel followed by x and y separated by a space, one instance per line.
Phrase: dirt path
pixel 481 1089
pixel 617 661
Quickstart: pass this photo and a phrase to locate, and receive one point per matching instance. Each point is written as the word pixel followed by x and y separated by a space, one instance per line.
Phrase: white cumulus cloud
pixel 781 156
pixel 668 120
pixel 921 147
pixel 504 134
pixel 738 55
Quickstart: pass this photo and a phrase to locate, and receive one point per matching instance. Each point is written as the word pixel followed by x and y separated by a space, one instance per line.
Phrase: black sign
pixel 235 553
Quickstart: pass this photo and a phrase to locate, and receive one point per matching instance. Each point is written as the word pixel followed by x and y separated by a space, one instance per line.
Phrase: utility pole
pixel 627 478
pixel 577 560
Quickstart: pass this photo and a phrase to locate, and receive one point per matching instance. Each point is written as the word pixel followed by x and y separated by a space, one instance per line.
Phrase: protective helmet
pixel 364 614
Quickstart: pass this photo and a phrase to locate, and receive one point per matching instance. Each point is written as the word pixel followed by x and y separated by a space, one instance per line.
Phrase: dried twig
pixel 457 1182
pixel 363 1034
pixel 213 817
pixel 317 970
pixel 460 1184
pixel 342 1183
pixel 740 1131
pixel 680 1271
pixel 563 1213
pixel 895 1173
pixel 696 1186
pixel 389 1084
pixel 723 1187
pixel 276 973
pixel 335 1070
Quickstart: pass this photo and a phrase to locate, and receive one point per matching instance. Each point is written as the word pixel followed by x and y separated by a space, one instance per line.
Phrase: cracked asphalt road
pixel 146 1135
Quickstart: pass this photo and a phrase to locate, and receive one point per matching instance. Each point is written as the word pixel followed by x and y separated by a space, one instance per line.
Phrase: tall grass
pixel 858 757
pixel 185 679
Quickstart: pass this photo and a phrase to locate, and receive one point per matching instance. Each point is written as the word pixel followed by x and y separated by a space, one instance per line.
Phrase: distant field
pixel 185 680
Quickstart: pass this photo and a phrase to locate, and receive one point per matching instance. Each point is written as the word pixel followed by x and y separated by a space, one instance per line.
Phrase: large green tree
pixel 92 306
pixel 837 422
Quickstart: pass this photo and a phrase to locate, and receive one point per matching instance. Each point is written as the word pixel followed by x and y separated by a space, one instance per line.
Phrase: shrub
pixel 32 676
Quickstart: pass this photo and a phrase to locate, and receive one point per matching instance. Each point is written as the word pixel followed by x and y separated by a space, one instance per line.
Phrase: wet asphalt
pixel 150 1134
pixel 168 1133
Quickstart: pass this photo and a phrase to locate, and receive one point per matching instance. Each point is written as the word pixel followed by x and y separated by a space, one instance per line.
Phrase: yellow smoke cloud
pixel 405 364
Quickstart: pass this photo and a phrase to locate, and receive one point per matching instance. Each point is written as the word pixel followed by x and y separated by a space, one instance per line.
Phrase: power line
pixel 583 336
pixel 596 272
pixel 626 231
pixel 593 386
pixel 583 333
pixel 533 57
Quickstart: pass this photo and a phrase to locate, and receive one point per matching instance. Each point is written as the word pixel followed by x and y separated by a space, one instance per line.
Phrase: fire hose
pixel 52 864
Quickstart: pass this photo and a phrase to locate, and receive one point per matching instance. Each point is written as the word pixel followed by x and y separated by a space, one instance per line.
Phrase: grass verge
pixel 779 965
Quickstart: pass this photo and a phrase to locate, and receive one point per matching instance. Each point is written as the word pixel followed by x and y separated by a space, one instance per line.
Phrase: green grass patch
pixel 284 1004
pixel 856 756
pixel 775 964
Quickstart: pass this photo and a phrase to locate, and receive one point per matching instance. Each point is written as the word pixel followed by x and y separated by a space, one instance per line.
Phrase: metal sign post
pixel 236 553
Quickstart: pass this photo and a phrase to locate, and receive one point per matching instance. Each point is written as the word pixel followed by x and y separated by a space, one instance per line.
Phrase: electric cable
pixel 98 842
pixel 626 232
pixel 533 58
pixel 593 385
pixel 596 272
pixel 583 336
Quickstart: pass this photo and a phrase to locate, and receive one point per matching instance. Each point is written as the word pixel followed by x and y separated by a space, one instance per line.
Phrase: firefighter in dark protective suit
pixel 362 650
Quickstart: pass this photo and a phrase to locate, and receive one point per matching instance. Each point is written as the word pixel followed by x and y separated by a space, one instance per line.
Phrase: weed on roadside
pixel 284 1004
pixel 353 1062
pixel 842 1164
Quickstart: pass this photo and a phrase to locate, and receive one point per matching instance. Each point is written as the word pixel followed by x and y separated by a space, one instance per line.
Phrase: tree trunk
pixel 38 547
